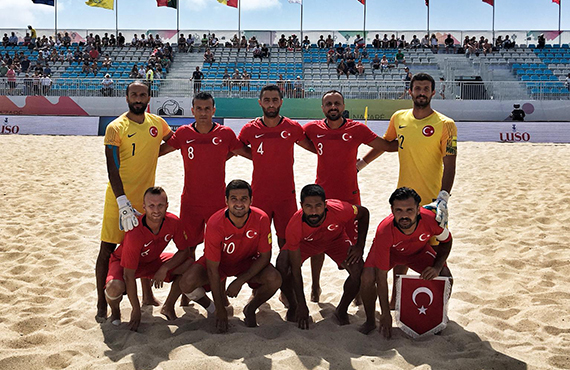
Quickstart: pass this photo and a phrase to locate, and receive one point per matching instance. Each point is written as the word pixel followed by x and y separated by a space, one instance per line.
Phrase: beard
pixel 137 110
pixel 314 220
pixel 334 115
pixel 271 114
pixel 421 104
pixel 405 223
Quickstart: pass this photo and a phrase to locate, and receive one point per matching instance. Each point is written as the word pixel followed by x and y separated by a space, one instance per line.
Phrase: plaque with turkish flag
pixel 421 305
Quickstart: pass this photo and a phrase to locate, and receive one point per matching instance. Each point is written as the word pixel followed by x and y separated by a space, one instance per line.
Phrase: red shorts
pixel 234 271
pixel 337 250
pixel 417 262
pixel 146 270
pixel 280 211
pixel 193 219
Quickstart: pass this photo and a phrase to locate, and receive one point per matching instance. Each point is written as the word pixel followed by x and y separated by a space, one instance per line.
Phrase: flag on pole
pixel 168 3
pixel 427 2
pixel 232 3
pixel 361 1
pixel 46 2
pixel 296 1
pixel 107 4
pixel 556 1
pixel 490 2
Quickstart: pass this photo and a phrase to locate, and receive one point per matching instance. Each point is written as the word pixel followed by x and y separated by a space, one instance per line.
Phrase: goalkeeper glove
pixel 127 214
pixel 440 207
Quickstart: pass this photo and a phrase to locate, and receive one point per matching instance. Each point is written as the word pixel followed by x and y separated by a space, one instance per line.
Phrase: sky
pixel 276 15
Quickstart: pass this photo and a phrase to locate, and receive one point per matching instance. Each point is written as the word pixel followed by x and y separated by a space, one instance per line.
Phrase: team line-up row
pixel 237 239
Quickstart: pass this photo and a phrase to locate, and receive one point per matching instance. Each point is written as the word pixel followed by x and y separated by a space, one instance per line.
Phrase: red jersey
pixel 229 245
pixel 338 150
pixel 272 154
pixel 390 240
pixel 141 246
pixel 299 233
pixel 204 158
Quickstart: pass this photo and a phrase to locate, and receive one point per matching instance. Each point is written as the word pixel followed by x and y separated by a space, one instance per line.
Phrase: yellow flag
pixel 107 4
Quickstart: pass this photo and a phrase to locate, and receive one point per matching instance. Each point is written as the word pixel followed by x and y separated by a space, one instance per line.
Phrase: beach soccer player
pixel 132 143
pixel 402 239
pixel 320 227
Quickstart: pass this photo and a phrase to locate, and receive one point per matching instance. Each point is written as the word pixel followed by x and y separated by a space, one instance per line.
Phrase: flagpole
pixel 429 37
pixel 55 10
pixel 364 23
pixel 559 19
pixel 239 18
pixel 493 23
pixel 177 19
pixel 116 18
pixel 302 38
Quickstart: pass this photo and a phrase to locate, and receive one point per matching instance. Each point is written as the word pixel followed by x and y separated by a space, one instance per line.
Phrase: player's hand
pixel 158 278
pixel 360 164
pixel 430 273
pixel 221 319
pixel 386 326
pixel 135 319
pixel 234 288
pixel 127 214
pixel 302 316
pixel 440 207
pixel 354 255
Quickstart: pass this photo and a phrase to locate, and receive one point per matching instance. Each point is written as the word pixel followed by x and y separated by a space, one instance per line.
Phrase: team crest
pixel 428 130
pixel 153 131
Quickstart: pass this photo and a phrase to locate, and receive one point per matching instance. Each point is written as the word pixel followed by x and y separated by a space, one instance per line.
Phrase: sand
pixel 509 214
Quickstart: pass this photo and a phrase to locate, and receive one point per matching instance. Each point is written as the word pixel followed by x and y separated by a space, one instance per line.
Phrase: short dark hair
pixel 203 96
pixel 271 88
pixel 422 77
pixel 404 193
pixel 155 190
pixel 312 190
pixel 238 184
pixel 138 82
pixel 332 92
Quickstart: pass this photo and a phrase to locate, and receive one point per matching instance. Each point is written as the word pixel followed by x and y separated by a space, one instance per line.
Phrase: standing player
pixel 272 138
pixel 205 146
pixel 427 150
pixel 132 145
pixel 317 228
pixel 402 238
pixel 140 255
pixel 337 140
pixel 237 243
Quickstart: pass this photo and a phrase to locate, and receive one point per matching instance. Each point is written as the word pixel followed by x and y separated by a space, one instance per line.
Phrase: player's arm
pixel 244 151
pixel 443 250
pixel 113 165
pixel 449 162
pixel 356 251
pixel 307 144
pixel 259 264
pixel 385 326
pixel 216 286
pixel 379 146
pixel 165 149
pixel 131 287
pixel 179 258
pixel 302 314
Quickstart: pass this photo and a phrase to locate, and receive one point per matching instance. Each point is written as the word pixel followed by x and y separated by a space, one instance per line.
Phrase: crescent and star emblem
pixel 251 234
pixel 346 137
pixel 285 134
pixel 424 237
pixel 332 227
pixel 216 140
pixel 425 290
pixel 168 237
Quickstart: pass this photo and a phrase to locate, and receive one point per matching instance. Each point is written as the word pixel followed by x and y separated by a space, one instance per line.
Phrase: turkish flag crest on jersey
pixel 421 305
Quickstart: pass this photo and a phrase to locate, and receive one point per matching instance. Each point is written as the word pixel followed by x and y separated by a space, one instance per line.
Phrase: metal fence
pixel 352 88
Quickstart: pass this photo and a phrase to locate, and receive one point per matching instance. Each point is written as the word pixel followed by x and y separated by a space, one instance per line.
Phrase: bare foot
pixel 284 300
pixel 249 313
pixel 169 313
pixel 316 294
pixel 341 317
pixel 101 314
pixel 184 301
pixel 367 327
pixel 152 301
pixel 291 313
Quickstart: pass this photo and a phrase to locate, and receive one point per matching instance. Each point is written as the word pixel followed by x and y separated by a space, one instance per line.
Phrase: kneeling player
pixel 237 243
pixel 402 239
pixel 319 227
pixel 140 255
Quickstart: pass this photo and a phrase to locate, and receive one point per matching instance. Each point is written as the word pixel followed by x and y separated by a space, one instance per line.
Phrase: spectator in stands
pixel 209 56
pixel 364 53
pixel 567 83
pixel 45 83
pixel 257 52
pixel 341 69
pixel 499 42
pixel 425 42
pixel 197 77
pixel 434 43
pixel 472 47
pixel 442 87
pixel 384 63
pixel 190 43
pixel 449 44
pixel 214 42
pixel 13 41
pixel 235 41
pixel 120 40
pixel 36 83
pixel 339 51
pixel 508 43
pixel 348 54
pixel 281 83
pixel 157 41
pixel 142 71
pixel 415 42
pixel 359 42
pixel 295 44
pixel 385 41
pixel 375 62
pixel 94 55
pixel 393 43
pixel 226 78
pixel 11 76
pixel 517 114
pixel 402 44
pixel 298 89
pixel 246 77
pixel 541 41
pixel 407 78
pixel 331 56
pixel 105 40
pixel 90 39
pixel 360 68
pixel 107 86
pixel 86 67
pixel 351 65
pixel 321 43
pixel 135 41
pixel 282 43
pixel 265 51
pixel 112 41
pixel 94 68
pixel 134 72
pixel 399 58
pixel 377 43
pixel 143 41
pixel 25 64
pixel 252 43
pixel 165 63
pixel 487 47
pixel 306 43
pixel 33 35
pixel 182 45
pixel 5 40
pixel 329 42
pixel 107 61
pixel 66 40
pixel 243 43
pixel 47 70
pixel 28 85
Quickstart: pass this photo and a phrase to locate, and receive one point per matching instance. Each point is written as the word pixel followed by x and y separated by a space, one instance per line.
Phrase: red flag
pixel 362 1
pixel 556 1
pixel 232 3
pixel 421 305
pixel 490 2
pixel 427 2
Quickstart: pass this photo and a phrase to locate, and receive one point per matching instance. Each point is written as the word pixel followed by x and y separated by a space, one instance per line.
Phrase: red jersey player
pixel 402 239
pixel 319 227
pixel 271 139
pixel 337 140
pixel 205 146
pixel 140 255
pixel 237 243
